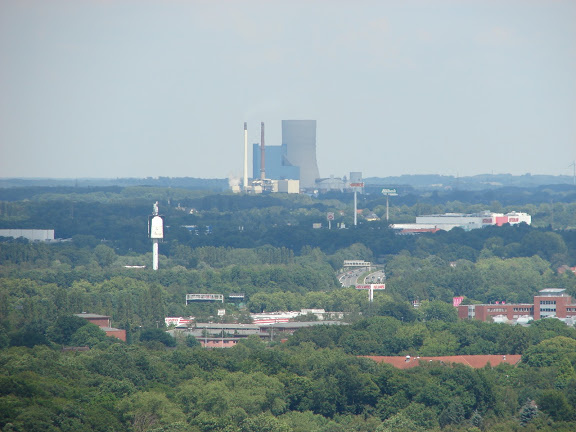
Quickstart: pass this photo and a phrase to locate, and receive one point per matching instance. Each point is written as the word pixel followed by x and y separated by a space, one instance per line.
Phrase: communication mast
pixel 156 233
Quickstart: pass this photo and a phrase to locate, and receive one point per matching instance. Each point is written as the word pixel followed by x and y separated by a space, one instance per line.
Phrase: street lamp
pixel 388 193
pixel 355 187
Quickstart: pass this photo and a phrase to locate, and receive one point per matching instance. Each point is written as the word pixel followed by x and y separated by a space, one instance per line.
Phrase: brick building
pixel 103 321
pixel 550 302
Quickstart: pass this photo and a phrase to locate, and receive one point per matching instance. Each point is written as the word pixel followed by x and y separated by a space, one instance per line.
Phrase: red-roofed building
pixel 103 321
pixel 474 361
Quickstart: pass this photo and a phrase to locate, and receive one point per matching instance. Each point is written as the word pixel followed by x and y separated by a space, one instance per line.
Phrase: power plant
pixel 288 167
pixel 299 140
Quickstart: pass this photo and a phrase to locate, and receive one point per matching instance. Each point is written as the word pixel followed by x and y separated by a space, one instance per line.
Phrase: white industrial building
pixel 287 186
pixel 467 222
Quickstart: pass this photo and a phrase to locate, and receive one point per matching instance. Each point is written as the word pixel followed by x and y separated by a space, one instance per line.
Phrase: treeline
pixel 274 279
pixel 32 300
pixel 295 387
pixel 283 243
pixel 265 248
pixel 195 218
pixel 435 331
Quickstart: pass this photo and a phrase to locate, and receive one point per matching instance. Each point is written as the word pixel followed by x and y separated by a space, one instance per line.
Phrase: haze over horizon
pixel 126 88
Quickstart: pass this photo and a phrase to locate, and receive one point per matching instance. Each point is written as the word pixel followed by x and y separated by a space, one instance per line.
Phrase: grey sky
pixel 161 88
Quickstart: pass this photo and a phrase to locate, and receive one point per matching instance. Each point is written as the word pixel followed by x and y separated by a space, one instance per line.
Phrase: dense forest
pixel 265 247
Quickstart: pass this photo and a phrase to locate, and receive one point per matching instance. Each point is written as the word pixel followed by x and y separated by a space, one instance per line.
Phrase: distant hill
pixel 405 182
pixel 216 185
pixel 478 182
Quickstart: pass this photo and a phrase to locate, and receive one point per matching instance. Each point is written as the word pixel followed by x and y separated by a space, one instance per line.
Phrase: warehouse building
pixel 447 221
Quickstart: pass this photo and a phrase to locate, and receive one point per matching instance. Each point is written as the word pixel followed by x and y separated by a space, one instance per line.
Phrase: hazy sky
pixel 120 88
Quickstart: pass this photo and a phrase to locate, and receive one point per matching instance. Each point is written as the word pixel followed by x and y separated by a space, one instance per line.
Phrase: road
pixel 350 278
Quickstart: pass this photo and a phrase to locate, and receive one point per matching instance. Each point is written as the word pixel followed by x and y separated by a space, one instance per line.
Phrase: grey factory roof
pixel 91 315
pixel 302 324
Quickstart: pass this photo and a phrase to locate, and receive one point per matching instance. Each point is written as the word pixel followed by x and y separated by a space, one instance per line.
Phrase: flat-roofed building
pixel 554 302
pixel 484 312
pixel 550 302
pixel 447 221
pixel 103 321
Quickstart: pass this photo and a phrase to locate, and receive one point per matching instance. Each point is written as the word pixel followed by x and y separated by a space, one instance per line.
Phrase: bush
pixel 157 335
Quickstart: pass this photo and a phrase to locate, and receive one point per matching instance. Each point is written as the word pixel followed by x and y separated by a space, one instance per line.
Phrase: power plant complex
pixel 288 167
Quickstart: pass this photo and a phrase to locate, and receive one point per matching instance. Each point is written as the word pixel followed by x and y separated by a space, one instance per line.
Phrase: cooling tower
pixel 299 137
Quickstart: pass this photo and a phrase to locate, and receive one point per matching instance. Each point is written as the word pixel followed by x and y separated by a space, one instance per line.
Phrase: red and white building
pixel 447 221
pixel 550 302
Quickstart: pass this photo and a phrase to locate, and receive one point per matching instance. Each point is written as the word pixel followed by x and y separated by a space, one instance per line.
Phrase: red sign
pixel 357 184
pixel 456 301
pixel 373 286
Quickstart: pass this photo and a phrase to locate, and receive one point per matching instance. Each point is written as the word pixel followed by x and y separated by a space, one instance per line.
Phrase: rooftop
pixel 91 315
pixel 302 324
pixel 474 361
pixel 552 291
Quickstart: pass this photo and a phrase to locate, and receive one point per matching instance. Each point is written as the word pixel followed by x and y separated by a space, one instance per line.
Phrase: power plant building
pixel 299 137
pixel 294 159
pixel 277 165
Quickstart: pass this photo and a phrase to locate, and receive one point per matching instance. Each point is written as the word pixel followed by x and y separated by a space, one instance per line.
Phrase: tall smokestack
pixel 245 156
pixel 262 153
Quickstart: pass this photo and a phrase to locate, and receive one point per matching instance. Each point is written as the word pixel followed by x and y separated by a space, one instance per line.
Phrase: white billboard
pixel 157 228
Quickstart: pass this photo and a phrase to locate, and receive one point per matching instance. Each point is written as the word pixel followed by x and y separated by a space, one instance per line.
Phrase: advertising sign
pixel 456 301
pixel 178 321
pixel 372 286
pixel 204 297
pixel 157 228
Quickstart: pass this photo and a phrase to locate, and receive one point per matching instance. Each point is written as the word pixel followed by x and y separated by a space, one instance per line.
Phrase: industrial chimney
pixel 262 153
pixel 245 156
